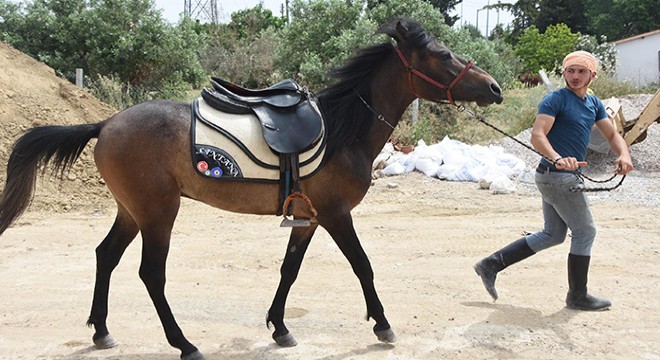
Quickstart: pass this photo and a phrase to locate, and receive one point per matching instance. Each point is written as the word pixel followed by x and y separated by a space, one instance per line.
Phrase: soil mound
pixel 32 95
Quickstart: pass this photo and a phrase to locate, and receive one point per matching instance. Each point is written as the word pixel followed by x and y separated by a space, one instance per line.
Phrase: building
pixel 638 59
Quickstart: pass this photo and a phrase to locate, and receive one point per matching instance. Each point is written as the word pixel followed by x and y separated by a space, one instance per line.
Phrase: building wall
pixel 638 59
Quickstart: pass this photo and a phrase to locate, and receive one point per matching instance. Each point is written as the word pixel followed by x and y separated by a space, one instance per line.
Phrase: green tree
pixel 545 51
pixel 525 13
pixel 445 7
pixel 310 42
pixel 472 30
pixel 618 19
pixel 419 10
pixel 247 24
pixel 125 39
pixel 323 33
pixel 250 64
pixel 569 12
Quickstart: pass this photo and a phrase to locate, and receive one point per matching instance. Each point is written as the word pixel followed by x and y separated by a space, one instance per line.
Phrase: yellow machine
pixel 633 131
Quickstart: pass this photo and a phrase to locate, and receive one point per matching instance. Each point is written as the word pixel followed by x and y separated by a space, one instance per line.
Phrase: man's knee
pixel 583 240
pixel 543 240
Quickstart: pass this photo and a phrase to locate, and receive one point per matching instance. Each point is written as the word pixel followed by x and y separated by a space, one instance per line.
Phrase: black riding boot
pixel 488 267
pixel 577 297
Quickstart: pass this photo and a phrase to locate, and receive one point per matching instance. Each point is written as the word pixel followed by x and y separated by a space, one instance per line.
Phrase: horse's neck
pixel 390 100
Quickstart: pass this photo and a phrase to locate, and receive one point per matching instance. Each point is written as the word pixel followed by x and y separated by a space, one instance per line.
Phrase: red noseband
pixel 411 70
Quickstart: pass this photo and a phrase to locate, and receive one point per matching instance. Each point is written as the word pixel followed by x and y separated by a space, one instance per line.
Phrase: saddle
pixel 289 115
pixel 291 123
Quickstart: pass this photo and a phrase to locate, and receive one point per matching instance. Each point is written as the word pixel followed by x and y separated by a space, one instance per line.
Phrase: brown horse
pixel 361 109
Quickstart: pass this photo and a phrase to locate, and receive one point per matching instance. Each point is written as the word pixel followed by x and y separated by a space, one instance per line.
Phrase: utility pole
pixel 461 13
pixel 478 21
pixel 487 17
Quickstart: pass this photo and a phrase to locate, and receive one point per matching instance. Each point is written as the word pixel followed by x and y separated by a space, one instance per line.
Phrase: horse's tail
pixel 60 145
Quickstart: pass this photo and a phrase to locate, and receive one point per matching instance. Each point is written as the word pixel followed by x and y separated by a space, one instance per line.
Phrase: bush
pixel 250 64
pixel 606 87
pixel 434 122
pixel 112 91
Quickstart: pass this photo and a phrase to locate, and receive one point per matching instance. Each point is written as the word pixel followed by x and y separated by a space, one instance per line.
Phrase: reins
pixel 412 71
pixel 481 119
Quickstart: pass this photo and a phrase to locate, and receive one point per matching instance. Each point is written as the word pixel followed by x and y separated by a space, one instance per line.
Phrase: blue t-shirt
pixel 571 132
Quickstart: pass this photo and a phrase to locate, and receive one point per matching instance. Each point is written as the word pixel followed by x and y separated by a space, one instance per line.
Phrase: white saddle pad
pixel 232 146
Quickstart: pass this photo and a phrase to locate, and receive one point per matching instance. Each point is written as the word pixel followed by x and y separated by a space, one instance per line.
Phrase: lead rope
pixel 580 188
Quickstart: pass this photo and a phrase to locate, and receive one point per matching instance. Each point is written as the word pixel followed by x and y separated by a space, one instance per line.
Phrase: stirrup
pixel 292 222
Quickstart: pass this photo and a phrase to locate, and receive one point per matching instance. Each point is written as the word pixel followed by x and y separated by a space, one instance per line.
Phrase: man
pixel 561 132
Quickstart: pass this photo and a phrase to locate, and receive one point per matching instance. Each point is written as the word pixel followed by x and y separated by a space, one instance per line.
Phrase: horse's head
pixel 436 73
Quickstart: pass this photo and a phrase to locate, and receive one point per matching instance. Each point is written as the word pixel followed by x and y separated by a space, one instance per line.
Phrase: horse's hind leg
pixel 343 233
pixel 298 243
pixel 108 254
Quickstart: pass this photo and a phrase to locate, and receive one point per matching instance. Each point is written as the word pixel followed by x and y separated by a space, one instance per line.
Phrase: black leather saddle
pixel 289 115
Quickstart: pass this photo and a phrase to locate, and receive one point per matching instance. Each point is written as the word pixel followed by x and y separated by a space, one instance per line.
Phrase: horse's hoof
pixel 105 342
pixel 286 340
pixel 386 336
pixel 193 356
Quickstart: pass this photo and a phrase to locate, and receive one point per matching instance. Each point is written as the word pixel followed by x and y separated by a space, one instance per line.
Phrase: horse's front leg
pixel 295 252
pixel 343 233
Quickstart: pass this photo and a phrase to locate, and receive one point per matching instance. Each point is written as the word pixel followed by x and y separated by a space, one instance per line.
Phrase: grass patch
pixel 514 115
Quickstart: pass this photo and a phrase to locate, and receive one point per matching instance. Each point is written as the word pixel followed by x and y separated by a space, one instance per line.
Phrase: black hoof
pixel 193 356
pixel 386 336
pixel 105 342
pixel 286 340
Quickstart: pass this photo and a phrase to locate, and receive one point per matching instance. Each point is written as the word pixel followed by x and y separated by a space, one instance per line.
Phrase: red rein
pixel 411 70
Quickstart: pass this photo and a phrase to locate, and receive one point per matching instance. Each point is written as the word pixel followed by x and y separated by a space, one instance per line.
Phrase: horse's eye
pixel 444 55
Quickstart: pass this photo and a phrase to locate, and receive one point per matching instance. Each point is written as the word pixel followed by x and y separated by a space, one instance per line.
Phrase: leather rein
pixel 412 71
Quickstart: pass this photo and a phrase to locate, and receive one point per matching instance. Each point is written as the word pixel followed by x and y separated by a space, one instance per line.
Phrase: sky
pixel 173 8
pixel 468 10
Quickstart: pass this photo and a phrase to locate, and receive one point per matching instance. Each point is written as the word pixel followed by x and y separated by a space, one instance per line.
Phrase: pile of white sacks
pixel 453 160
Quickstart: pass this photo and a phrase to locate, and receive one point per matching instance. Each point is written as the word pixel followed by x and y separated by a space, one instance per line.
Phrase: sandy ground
pixel 422 236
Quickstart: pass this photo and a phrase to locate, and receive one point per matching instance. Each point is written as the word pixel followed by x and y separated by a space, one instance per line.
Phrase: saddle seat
pixel 224 86
pixel 290 117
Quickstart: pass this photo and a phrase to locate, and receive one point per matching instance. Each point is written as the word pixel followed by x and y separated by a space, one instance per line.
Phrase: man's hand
pixel 569 163
pixel 623 165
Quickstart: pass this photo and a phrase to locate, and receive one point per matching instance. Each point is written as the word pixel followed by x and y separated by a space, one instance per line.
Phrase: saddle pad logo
pixel 215 163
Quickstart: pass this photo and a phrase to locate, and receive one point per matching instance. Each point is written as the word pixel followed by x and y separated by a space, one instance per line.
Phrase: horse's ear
pixel 396 29
pixel 401 31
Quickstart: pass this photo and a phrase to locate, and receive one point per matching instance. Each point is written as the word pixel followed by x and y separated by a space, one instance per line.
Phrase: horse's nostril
pixel 496 88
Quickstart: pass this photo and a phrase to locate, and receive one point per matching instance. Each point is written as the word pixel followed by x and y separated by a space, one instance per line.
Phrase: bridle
pixel 412 71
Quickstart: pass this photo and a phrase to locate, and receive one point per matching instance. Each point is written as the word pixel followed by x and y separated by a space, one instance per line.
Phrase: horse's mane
pixel 347 117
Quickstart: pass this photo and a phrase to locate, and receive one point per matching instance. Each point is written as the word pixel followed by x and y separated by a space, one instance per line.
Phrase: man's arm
pixel 542 126
pixel 623 163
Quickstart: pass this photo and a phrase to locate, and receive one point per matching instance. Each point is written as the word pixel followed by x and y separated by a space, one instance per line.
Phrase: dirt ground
pixel 422 236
